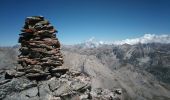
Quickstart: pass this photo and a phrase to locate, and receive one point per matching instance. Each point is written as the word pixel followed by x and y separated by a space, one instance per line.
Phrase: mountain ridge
pixel 145 39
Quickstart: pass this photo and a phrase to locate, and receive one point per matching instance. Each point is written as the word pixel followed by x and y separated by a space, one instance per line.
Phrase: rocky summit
pixel 41 74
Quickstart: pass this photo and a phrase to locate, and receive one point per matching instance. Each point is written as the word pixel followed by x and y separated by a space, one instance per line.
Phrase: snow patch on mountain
pixel 147 38
pixel 92 43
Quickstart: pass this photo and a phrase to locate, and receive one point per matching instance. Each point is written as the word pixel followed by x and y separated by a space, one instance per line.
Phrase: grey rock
pixel 59 70
pixel 15 85
pixel 19 74
pixel 118 91
pixel 54 84
pixel 84 97
pixel 35 75
pixel 64 89
pixel 10 74
pixel 104 94
pixel 4 81
pixel 44 90
pixel 79 86
pixel 31 92
pixel 20 96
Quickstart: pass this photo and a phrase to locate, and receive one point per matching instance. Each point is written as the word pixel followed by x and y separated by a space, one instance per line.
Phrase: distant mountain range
pixel 147 38
pixel 142 70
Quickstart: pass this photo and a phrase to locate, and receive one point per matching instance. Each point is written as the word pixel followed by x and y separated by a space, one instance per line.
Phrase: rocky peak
pixel 40 74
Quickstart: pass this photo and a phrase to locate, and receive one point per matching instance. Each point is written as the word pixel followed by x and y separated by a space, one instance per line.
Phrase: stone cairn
pixel 40 49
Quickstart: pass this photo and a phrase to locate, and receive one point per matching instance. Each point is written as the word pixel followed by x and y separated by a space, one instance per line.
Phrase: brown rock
pixel 39 47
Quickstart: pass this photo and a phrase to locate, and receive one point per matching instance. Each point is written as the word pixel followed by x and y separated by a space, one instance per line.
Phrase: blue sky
pixel 79 20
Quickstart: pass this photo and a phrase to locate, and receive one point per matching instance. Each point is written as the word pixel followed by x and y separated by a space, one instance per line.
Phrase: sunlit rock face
pixel 40 49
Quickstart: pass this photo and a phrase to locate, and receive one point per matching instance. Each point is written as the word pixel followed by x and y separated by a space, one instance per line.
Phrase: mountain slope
pixel 141 70
pixel 138 69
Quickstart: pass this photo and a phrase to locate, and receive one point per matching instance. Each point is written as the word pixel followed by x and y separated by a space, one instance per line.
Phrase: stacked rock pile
pixel 40 49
